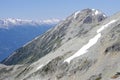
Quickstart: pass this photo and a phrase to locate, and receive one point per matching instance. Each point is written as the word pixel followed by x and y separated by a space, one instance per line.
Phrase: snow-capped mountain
pixel 85 46
pixel 94 12
pixel 63 30
pixel 7 23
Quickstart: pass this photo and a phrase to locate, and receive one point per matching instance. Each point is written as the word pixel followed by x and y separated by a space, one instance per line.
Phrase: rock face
pixel 85 46
pixel 77 24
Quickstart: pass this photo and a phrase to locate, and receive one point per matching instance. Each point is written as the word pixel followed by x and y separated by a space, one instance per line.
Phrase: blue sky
pixel 46 9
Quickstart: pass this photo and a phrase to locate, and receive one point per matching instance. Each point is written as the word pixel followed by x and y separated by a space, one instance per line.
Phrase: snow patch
pixel 91 42
pixel 104 15
pixel 75 15
pixel 39 67
pixel 97 12
pixel 84 48
pixel 105 26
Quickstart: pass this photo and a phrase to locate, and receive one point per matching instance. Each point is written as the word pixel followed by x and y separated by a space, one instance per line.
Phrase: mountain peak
pixel 93 12
pixel 59 35
pixel 98 12
pixel 81 44
pixel 88 15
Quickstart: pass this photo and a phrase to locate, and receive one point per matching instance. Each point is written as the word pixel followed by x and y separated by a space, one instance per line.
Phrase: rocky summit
pixel 76 25
pixel 85 46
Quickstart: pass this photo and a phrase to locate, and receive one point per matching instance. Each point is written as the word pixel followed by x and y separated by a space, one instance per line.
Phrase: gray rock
pixel 100 62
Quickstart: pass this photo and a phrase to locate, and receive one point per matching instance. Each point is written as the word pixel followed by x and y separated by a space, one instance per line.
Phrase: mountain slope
pixel 75 25
pixel 14 33
pixel 99 62
pixel 90 52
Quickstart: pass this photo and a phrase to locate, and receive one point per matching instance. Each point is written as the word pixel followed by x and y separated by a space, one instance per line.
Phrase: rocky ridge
pixel 95 45
pixel 56 37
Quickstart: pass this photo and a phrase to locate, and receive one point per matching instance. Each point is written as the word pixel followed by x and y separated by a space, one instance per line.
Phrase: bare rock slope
pixel 85 46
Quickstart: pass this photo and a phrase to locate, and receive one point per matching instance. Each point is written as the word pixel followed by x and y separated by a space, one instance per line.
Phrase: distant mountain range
pixel 11 22
pixel 14 33
pixel 85 46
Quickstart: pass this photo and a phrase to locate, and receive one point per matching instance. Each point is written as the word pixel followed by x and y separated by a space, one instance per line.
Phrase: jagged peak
pixel 88 15
pixel 94 12
pixel 97 12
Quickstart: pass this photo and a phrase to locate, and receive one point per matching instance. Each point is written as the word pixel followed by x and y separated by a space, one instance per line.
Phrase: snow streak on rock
pixel 75 15
pixel 91 42
pixel 105 26
pixel 39 67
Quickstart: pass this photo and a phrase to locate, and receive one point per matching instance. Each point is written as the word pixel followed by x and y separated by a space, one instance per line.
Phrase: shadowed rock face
pixel 113 48
pixel 88 20
pixel 100 61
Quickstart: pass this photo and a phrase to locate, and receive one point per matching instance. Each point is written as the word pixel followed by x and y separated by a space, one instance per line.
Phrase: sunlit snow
pixel 84 48
pixel 39 67
pixel 96 12
pixel 75 15
pixel 105 26
pixel 91 42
